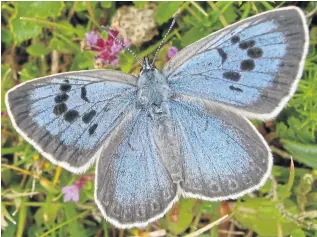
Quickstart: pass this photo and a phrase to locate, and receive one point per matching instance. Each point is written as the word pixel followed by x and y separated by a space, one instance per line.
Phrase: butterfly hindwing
pixel 224 155
pixel 133 187
pixel 68 116
pixel 252 66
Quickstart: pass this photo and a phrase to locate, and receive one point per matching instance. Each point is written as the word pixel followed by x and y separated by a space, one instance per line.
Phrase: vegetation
pixel 42 38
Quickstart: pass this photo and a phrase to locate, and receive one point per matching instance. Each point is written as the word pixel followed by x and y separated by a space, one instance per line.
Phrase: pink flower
pixel 108 50
pixel 171 52
pixel 115 48
pixel 92 38
pixel 71 193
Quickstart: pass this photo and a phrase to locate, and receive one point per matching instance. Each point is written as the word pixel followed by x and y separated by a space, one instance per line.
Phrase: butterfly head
pixel 147 65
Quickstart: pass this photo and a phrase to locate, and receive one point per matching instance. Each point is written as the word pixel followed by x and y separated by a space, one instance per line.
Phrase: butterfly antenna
pixel 169 29
pixel 106 28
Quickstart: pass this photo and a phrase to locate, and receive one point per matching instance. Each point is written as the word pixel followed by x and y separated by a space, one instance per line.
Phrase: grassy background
pixel 41 38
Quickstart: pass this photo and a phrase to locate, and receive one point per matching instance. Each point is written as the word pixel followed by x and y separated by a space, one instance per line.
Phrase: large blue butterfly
pixel 182 131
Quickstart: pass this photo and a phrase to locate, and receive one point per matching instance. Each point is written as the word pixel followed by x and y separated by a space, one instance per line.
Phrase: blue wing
pixel 224 155
pixel 132 186
pixel 67 116
pixel 253 66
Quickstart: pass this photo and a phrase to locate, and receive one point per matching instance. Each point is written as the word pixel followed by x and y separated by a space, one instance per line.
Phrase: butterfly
pixel 183 131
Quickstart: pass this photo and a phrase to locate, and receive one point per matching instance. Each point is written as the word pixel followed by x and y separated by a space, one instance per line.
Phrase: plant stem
pixel 221 17
pixel 65 223
pixel 45 22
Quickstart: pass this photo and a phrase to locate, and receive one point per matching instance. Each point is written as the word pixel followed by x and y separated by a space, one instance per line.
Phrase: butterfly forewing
pixel 253 66
pixel 68 116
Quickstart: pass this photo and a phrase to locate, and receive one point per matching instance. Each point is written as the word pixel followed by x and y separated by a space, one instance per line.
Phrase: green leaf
pixel 29 71
pixel 22 30
pixel 33 230
pixel 83 61
pixel 295 131
pixel 38 49
pixel 262 216
pixel 126 61
pixel 284 132
pixel 81 5
pixel 106 4
pixel 178 221
pixel 313 33
pixel 59 45
pixel 177 43
pixel 298 233
pixel 6 37
pixel 193 35
pixel 166 11
pixel 47 213
pixel 88 190
pixel 80 31
pixel 10 230
pixel 67 29
pixel 75 228
pixel 73 47
pixel 40 9
pixel 140 4
pixel 303 153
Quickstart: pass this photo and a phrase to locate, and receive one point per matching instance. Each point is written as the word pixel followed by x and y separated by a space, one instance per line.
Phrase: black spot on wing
pixel 246 44
pixel 65 87
pixel 223 55
pixel 92 129
pixel 255 52
pixel 234 76
pixel 83 94
pixel 235 39
pixel 235 89
pixel 206 125
pixel 247 65
pixel 60 109
pixel 71 115
pixel 61 98
pixel 89 116
pixel 130 145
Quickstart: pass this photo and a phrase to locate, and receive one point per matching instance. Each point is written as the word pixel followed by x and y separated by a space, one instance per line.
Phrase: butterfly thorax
pixel 153 92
